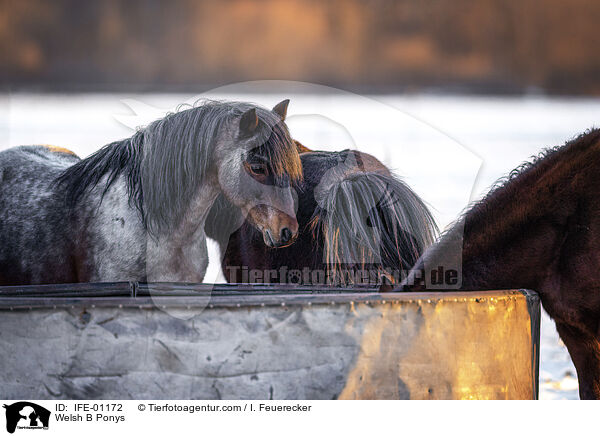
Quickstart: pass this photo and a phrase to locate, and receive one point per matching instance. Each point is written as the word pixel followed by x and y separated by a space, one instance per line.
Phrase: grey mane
pixel 164 163
pixel 398 228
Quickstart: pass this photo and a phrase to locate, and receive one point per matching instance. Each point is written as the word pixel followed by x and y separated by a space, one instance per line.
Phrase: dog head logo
pixel 26 415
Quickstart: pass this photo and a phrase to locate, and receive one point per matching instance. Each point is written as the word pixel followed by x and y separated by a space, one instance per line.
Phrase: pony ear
pixel 301 148
pixel 248 122
pixel 281 108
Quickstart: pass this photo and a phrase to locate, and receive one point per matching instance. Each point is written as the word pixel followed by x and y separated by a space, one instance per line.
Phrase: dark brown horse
pixel 357 223
pixel 540 230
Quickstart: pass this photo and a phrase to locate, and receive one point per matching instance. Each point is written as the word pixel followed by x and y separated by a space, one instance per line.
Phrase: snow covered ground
pixel 450 149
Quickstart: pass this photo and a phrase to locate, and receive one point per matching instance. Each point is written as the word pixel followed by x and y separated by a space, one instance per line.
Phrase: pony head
pixel 366 218
pixel 257 164
pixel 243 149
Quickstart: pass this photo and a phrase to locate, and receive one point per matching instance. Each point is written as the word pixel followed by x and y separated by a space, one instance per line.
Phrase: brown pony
pixel 539 229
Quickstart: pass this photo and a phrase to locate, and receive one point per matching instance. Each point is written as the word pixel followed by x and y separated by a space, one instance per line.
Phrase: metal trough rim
pixel 153 295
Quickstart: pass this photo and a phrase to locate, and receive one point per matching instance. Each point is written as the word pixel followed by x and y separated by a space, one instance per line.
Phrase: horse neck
pixel 513 238
pixel 179 253
pixel 193 220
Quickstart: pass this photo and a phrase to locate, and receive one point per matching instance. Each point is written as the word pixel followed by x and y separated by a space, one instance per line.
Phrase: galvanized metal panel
pixel 271 345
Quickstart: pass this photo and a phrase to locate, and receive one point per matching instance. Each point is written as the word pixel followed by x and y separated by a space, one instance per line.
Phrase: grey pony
pixel 135 209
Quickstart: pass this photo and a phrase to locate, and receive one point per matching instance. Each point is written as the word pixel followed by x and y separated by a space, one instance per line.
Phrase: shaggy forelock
pixel 398 229
pixel 282 159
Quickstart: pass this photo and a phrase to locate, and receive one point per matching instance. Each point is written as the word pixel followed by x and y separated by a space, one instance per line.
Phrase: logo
pixel 26 415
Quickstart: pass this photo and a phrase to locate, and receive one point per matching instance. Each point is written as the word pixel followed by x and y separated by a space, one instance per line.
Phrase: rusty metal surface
pixel 296 345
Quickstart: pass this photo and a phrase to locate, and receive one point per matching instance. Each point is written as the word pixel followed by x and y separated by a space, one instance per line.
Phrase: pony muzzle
pixel 278 228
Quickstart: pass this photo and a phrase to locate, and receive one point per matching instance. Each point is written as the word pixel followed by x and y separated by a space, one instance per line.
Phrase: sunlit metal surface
pixel 450 346
pixel 259 344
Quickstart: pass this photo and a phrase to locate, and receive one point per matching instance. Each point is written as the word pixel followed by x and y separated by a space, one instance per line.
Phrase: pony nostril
pixel 286 235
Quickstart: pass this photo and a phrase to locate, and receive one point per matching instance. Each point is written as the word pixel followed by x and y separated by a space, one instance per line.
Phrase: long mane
pixel 164 163
pixel 372 220
pixel 119 158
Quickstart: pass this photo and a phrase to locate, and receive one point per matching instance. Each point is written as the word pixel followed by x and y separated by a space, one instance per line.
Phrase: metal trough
pixel 161 341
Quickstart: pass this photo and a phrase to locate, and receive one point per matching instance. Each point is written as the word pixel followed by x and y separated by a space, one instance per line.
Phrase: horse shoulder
pixel 111 235
pixel 172 260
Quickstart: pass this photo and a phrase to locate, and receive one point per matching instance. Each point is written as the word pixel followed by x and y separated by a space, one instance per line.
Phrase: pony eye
pixel 258 169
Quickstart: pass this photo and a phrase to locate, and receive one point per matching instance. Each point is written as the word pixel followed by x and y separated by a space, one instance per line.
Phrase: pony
pixel 135 209
pixel 357 223
pixel 538 229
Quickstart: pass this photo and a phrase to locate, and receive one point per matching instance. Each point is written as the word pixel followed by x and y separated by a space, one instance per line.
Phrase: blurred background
pixel 469 88
pixel 482 46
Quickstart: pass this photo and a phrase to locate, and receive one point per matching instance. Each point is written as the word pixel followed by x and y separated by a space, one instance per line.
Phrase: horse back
pixel 34 222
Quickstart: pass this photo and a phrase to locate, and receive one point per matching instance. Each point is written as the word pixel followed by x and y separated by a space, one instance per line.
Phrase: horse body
pixel 354 217
pixel 109 241
pixel 31 248
pixel 539 230
pixel 135 209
